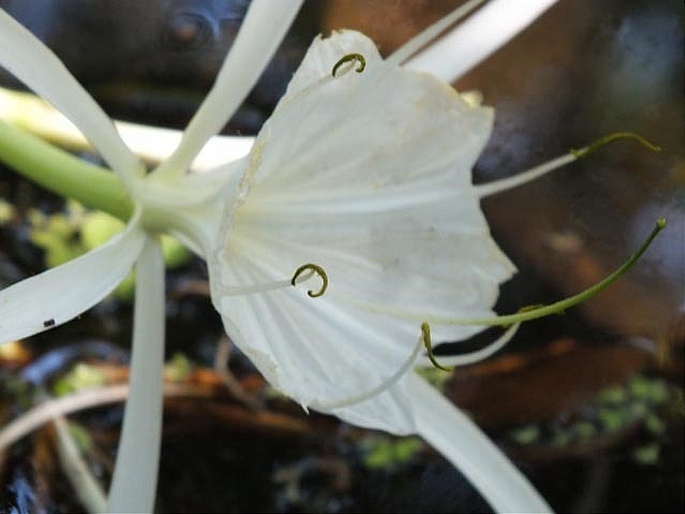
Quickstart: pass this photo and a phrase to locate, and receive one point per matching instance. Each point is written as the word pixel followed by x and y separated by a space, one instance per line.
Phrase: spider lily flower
pixel 364 169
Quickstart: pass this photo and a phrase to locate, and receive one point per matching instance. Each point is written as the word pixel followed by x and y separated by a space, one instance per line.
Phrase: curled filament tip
pixel 583 152
pixel 426 333
pixel 311 269
pixel 361 60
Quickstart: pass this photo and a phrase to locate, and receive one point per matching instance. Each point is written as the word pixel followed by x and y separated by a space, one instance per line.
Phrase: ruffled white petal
pixel 478 37
pixel 357 174
pixel 60 294
pixel 134 483
pixel 35 65
pixel 263 29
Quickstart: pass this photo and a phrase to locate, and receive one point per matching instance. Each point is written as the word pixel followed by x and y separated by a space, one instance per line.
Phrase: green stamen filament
pixel 617 136
pixel 361 60
pixel 311 268
pixel 534 312
pixel 558 307
pixel 465 359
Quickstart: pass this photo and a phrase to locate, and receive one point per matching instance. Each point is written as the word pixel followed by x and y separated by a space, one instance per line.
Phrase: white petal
pixel 263 29
pixel 452 433
pixel 134 483
pixel 35 65
pixel 60 294
pixel 478 37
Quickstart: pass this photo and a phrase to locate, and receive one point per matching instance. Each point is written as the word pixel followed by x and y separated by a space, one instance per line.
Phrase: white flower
pixel 376 189
pixel 366 175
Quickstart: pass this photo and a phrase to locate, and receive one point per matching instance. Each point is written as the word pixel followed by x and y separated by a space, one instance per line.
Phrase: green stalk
pixel 62 173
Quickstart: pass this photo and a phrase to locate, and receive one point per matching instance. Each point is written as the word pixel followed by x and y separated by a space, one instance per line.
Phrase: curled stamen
pixel 478 355
pixel 426 338
pixel 583 152
pixel 303 273
pixel 311 268
pixel 351 57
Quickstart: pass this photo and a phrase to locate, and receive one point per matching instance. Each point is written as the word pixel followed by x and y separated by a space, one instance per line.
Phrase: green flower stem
pixel 62 173
pixel 560 306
